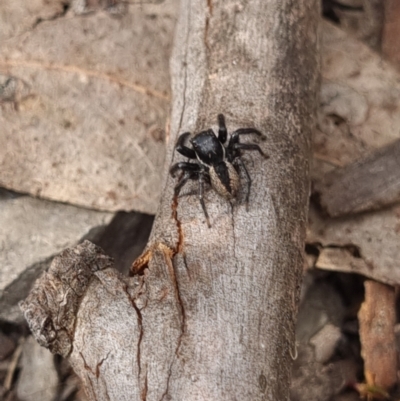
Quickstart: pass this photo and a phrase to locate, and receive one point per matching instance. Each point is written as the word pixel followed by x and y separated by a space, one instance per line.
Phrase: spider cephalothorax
pixel 215 163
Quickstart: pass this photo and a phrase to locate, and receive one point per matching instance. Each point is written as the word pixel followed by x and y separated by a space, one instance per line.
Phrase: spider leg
pixel 248 146
pixel 188 175
pixel 191 171
pixel 202 176
pixel 182 149
pixel 243 131
pixel 222 131
pixel 241 165
pixel 185 167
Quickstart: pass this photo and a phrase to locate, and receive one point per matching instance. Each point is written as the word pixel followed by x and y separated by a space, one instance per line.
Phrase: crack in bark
pixel 167 388
pixel 170 253
pixel 143 394
pixel 174 206
pixel 208 17
pixel 178 298
pixel 179 244
pixel 233 233
pixel 140 323
pixel 89 369
pixel 184 80
pixel 184 99
pixel 85 365
pixel 99 364
pixel 139 265
pixel 138 356
pixel 92 387
pixel 170 264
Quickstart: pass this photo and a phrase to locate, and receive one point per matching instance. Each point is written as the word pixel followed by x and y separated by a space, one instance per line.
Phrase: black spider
pixel 215 163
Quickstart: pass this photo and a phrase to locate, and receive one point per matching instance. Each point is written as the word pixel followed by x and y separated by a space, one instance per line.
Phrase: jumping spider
pixel 215 163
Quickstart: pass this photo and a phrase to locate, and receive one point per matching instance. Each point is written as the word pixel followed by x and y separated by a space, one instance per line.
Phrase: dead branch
pixel 377 318
pixel 209 313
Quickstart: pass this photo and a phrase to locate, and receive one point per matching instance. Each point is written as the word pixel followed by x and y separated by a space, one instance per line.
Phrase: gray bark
pixel 209 313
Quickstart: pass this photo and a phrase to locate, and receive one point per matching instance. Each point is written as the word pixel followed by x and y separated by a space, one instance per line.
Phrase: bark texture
pixel 209 313
pixel 237 283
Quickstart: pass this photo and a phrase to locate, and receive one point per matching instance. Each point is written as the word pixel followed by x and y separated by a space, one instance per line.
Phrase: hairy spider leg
pixel 192 171
pixel 234 145
pixel 182 149
pixel 202 175
pixel 249 146
pixel 241 165
pixel 187 175
pixel 243 131
pixel 222 131
pixel 185 167
pixel 245 146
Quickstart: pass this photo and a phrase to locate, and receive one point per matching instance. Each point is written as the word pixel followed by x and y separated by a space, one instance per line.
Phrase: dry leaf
pixel 87 98
pixel 360 112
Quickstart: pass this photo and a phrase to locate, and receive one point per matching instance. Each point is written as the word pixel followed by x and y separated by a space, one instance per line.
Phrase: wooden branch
pixel 82 308
pixel 377 319
pixel 209 313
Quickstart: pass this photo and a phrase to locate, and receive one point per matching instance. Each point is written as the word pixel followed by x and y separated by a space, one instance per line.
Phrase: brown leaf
pixel 89 93
pixel 359 102
pixel 360 112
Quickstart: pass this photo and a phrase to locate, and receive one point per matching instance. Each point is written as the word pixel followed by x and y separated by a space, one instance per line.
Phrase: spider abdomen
pixel 225 179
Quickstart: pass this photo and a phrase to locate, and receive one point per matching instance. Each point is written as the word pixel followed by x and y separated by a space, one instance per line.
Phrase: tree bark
pixel 209 313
